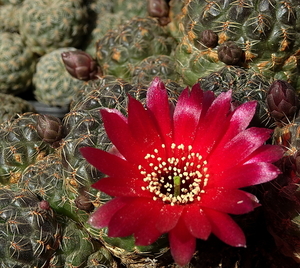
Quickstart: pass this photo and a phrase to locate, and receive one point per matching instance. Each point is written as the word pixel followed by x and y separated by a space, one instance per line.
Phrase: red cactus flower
pixel 178 170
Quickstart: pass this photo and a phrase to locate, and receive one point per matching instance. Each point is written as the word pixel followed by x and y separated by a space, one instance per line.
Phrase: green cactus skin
pixel 29 231
pixel 20 146
pixel 76 246
pixel 17 64
pixel 48 25
pixel 267 31
pixel 118 51
pixel 9 18
pixel 246 85
pixel 162 66
pixel 53 85
pixel 12 105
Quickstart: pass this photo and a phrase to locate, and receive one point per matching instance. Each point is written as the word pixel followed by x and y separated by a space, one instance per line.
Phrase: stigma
pixel 180 178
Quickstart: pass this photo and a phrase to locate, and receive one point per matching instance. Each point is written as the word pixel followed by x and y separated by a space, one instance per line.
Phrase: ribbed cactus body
pixel 53 84
pixel 30 233
pixel 17 64
pixel 20 146
pixel 266 31
pixel 48 25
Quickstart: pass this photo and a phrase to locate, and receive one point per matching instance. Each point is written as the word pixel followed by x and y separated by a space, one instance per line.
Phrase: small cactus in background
pixel 12 105
pixel 8 15
pixel 12 2
pixel 46 25
pixel 17 64
pixel 53 85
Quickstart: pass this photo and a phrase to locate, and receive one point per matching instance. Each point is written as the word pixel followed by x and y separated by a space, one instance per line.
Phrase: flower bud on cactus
pixel 282 101
pixel 230 53
pixel 209 38
pixel 81 65
pixel 84 203
pixel 49 129
pixel 159 9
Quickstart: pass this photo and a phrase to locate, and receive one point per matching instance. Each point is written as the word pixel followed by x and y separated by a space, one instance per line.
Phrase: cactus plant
pixel 17 64
pixel 52 83
pixel 48 25
pixel 12 105
pixel 20 146
pixel 266 31
pixel 30 233
pixel 118 51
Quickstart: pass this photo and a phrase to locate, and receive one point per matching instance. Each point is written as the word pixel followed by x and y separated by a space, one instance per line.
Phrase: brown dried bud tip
pixel 230 53
pixel 159 9
pixel 208 38
pixel 49 128
pixel 282 101
pixel 81 65
pixel 84 203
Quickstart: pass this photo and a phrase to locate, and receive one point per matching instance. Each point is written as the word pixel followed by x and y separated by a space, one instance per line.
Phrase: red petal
pixel 129 218
pixel 158 106
pixel 142 127
pixel 168 217
pixel 266 153
pixel 213 125
pixel 187 114
pixel 107 163
pixel 118 131
pixel 197 222
pixel 238 149
pixel 239 121
pixel 225 228
pixel 244 175
pixel 122 186
pixel 101 217
pixel 208 98
pixel 182 244
pixel 229 200
pixel 147 232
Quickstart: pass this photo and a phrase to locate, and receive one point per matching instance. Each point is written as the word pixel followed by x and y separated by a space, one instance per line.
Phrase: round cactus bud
pixel 49 129
pixel 159 9
pixel 208 38
pixel 81 65
pixel 44 205
pixel 282 101
pixel 84 203
pixel 230 53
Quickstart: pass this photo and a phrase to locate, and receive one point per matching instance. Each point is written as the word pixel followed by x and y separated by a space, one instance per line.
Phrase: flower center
pixel 179 179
